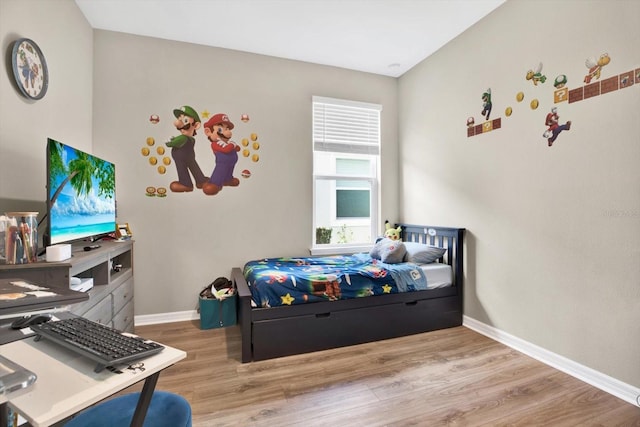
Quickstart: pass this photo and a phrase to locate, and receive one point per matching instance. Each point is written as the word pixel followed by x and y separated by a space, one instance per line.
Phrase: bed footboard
pixel 244 312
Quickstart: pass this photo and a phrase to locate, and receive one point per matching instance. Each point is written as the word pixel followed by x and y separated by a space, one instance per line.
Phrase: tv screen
pixel 81 200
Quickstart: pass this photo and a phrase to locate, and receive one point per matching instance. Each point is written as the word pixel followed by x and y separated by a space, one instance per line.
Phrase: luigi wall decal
pixel 486 104
pixel 183 151
pixel 487 125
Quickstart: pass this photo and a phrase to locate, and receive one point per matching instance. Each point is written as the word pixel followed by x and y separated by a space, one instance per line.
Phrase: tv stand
pixel 111 298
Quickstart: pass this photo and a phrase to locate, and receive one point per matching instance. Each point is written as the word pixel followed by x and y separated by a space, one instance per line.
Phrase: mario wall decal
pixel 183 152
pixel 553 128
pixel 218 130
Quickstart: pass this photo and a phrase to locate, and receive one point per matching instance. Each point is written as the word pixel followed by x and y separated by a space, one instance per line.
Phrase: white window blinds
pixel 346 126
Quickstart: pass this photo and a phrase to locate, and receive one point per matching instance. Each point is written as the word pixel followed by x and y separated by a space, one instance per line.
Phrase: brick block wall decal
pixel 626 79
pixel 609 85
pixel 576 94
pixel 592 90
pixel 484 127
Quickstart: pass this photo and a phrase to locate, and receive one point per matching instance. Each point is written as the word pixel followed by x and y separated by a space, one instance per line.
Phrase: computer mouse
pixel 26 321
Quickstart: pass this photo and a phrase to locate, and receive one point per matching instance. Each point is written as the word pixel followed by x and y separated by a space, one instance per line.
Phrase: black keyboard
pixel 103 344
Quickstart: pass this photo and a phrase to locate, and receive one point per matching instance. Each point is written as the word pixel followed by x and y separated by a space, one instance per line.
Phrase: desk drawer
pixel 122 295
pixel 102 312
pixel 123 320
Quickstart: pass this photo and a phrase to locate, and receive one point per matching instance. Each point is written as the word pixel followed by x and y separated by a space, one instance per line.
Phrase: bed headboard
pixel 444 237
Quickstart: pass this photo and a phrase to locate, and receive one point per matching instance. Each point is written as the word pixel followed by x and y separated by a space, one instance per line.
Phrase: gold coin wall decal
pixel 153 161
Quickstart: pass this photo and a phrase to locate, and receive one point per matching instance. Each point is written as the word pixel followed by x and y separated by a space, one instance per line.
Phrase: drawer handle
pixel 411 303
pixel 320 315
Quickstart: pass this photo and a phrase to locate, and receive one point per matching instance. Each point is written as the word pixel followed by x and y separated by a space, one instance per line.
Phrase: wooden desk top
pixel 67 382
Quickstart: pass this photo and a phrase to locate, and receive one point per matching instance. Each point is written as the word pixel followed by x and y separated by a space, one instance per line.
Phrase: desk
pixel 68 384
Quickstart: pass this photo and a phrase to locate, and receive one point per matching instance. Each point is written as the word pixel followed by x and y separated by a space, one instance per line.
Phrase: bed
pixel 334 320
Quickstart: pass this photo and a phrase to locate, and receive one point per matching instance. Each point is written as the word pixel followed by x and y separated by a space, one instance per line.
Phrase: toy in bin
pixel 218 304
pixel 220 288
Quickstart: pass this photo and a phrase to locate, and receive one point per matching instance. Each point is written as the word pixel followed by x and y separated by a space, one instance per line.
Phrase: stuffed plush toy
pixel 392 233
pixel 388 251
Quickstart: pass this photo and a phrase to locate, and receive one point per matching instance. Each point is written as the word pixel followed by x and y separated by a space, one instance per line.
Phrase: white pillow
pixel 419 253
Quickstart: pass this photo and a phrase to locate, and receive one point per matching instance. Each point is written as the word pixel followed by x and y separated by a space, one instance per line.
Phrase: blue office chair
pixel 165 410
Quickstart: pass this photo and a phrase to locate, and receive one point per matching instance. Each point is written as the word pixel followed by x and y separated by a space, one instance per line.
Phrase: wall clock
pixel 29 69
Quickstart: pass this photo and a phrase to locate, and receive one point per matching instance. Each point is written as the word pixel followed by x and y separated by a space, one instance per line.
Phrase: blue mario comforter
pixel 286 281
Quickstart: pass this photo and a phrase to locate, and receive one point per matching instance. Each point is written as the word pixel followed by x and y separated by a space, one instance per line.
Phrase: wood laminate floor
pixel 451 377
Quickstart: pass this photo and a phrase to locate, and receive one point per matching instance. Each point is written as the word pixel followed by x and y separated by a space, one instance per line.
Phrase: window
pixel 346 152
pixel 353 198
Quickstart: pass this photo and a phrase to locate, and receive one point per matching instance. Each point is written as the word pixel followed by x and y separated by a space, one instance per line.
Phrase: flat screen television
pixel 81 200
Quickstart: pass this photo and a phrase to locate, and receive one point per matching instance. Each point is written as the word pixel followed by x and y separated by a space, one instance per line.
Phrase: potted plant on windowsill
pixel 323 235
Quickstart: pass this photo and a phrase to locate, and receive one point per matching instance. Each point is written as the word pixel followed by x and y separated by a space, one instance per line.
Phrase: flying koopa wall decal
pixel 536 76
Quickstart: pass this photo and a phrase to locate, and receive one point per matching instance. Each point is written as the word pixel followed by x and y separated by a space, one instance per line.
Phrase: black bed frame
pixel 282 331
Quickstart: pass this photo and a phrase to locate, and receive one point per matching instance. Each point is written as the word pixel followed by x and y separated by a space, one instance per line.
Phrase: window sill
pixel 340 249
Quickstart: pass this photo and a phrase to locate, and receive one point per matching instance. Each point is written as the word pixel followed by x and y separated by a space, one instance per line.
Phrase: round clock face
pixel 30 69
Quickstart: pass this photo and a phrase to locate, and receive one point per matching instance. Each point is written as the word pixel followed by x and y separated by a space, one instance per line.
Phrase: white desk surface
pixel 67 382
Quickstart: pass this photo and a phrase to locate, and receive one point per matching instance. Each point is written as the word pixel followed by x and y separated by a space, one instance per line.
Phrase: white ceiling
pixel 386 37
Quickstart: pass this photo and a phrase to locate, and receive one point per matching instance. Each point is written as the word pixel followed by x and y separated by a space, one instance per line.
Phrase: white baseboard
pixel 590 376
pixel 177 316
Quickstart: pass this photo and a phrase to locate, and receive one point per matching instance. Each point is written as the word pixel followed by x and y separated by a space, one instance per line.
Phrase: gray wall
pixel 552 243
pixel 184 241
pixel 103 88
pixel 66 40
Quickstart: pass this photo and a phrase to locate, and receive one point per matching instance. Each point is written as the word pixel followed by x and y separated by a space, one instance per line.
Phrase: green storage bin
pixel 215 313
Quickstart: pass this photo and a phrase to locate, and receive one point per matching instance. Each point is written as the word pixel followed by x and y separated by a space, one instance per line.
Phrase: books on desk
pixel 21 296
